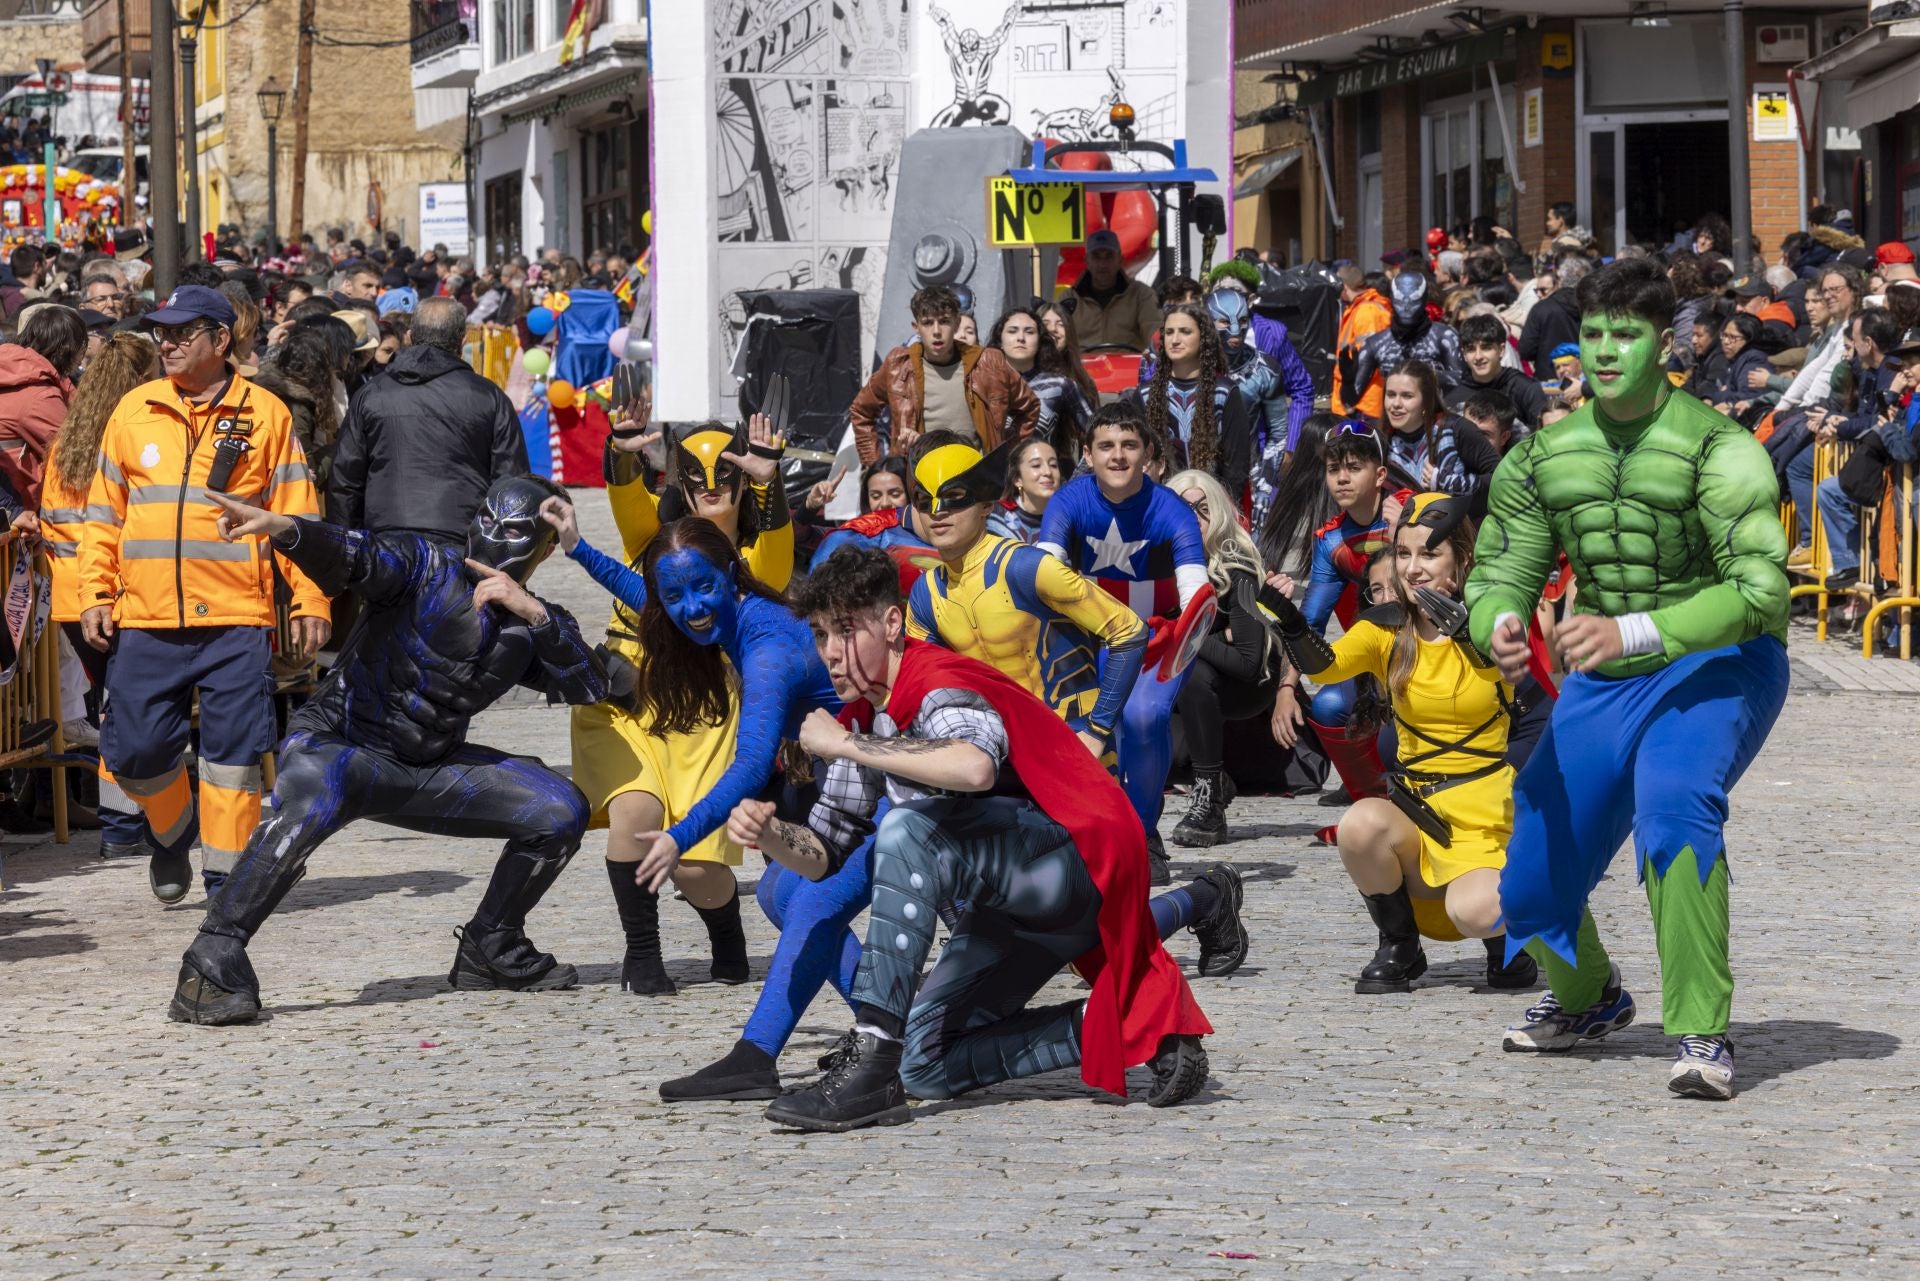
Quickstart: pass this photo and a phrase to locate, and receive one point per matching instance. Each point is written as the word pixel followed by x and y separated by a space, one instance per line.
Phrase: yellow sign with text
pixel 1035 213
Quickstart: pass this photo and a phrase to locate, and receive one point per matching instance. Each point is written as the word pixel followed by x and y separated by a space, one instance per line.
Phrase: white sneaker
pixel 1551 1029
pixel 1703 1069
pixel 79 733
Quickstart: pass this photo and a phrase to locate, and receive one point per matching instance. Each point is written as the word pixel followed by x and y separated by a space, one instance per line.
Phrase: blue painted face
pixel 698 595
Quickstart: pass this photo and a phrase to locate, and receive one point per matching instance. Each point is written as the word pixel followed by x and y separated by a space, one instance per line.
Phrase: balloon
pixel 537 361
pixel 540 322
pixel 637 350
pixel 617 343
pixel 560 394
pixel 539 390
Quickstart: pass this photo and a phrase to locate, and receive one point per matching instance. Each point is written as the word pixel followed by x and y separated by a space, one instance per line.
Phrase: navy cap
pixel 192 302
pixel 1105 238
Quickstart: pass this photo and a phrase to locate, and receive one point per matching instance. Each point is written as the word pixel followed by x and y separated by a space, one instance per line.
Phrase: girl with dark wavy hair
pixel 1064 407
pixel 1193 404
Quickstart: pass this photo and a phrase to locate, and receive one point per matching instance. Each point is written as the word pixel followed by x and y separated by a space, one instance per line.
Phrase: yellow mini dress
pixel 1449 703
pixel 614 751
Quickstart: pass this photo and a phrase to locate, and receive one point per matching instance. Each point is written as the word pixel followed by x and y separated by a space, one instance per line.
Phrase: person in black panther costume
pixel 1413 335
pixel 384 737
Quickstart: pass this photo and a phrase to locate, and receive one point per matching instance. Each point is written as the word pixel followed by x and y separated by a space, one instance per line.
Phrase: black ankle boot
pixel 1400 959
pixel 729 940
pixel 1206 822
pixel 1159 869
pixel 862 1089
pixel 1522 972
pixel 1222 934
pixel 642 972
pixel 505 959
pixel 747 1072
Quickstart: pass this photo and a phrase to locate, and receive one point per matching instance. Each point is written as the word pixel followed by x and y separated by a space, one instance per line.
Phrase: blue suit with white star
pixel 1145 549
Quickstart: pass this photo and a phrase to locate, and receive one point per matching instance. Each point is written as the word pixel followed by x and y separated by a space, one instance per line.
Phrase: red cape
pixel 1139 994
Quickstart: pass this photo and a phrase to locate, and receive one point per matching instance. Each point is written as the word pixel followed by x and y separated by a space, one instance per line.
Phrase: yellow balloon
pixel 560 394
pixel 646 222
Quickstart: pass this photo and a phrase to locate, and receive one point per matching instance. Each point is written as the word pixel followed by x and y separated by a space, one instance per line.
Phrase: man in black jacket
pixel 1555 319
pixel 421 444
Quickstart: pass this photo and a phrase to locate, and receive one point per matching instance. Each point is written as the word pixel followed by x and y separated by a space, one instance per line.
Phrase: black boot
pixel 1222 935
pixel 1400 959
pixel 1179 1071
pixel 1522 972
pixel 849 1039
pixel 170 873
pixel 642 972
pixel 1206 822
pixel 217 985
pixel 494 949
pixel 747 1072
pixel 862 1089
pixel 1159 869
pixel 728 938
pixel 505 959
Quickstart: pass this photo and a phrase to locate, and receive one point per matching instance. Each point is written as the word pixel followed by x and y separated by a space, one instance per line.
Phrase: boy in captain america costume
pixel 1141 543
pixel 1670 516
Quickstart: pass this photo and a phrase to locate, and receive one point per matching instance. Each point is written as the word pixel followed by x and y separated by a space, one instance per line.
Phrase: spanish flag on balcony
pixel 581 19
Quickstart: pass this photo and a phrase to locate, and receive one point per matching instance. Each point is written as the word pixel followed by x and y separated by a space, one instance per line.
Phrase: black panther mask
pixel 507 533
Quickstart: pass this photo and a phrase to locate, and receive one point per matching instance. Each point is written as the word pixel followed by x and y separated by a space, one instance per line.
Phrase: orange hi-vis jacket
pixel 63 519
pixel 1368 314
pixel 151 545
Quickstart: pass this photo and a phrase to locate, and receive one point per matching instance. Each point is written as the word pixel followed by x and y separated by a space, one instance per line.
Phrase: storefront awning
pixel 1261 176
pixel 1882 64
pixel 1388 70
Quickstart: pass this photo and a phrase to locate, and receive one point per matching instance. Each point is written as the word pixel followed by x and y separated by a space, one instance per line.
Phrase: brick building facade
pixel 1625 118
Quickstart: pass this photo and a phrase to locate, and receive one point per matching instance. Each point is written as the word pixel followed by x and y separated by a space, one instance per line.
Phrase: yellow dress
pixel 1448 701
pixel 614 752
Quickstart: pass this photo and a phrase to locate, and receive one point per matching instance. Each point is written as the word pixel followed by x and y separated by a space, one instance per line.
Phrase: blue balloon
pixel 540 321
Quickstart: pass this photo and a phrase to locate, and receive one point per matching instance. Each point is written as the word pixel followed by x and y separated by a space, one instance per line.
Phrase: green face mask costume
pixel 1669 514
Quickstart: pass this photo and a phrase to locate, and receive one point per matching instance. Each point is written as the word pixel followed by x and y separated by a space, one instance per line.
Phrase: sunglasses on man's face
pixel 178 335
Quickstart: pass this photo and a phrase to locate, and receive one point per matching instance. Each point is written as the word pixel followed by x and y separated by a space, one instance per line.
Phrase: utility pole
pixel 129 174
pixel 1739 194
pixel 302 95
pixel 190 128
pixel 163 159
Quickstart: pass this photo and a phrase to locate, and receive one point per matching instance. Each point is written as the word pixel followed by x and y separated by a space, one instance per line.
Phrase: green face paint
pixel 1621 356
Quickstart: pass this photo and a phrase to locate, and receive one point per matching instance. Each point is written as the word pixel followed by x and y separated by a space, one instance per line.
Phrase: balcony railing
pixel 440 25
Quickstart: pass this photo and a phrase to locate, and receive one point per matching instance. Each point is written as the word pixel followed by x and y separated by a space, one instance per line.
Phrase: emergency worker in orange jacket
pixel 177 608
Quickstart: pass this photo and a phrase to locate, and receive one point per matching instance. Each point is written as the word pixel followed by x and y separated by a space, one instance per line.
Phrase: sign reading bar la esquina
pixel 1405 68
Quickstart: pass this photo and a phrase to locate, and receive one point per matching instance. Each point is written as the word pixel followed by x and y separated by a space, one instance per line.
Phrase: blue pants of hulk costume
pixel 1653 756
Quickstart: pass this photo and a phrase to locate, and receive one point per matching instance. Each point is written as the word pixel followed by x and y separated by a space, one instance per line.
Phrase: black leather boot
pixel 1206 822
pixel 505 959
pixel 1522 972
pixel 862 1089
pixel 1159 869
pixel 1222 934
pixel 728 939
pixel 642 972
pixel 1400 959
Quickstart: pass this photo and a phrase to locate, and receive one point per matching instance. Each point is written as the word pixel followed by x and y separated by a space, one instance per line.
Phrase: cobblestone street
pixel 374 1124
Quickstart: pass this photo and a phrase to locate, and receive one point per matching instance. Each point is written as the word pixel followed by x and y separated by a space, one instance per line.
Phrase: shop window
pixel 1629 68
pixel 612 171
pixel 1465 158
pixel 502 216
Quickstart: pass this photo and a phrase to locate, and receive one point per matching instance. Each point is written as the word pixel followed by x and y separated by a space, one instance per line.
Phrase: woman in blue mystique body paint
pixel 693 596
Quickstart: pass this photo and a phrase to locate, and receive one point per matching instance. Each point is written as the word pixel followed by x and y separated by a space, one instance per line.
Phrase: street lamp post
pixel 189 130
pixel 272 99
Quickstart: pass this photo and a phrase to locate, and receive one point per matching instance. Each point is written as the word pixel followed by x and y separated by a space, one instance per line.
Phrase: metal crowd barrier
pixel 28 701
pixel 1903 576
pixel 490 349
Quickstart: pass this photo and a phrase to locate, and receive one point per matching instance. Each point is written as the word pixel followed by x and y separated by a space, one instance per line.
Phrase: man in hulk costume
pixel 1669 513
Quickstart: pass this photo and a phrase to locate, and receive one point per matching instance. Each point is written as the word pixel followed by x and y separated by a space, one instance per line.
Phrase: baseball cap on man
pixel 1892 251
pixel 1752 287
pixel 192 302
pixel 1105 238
